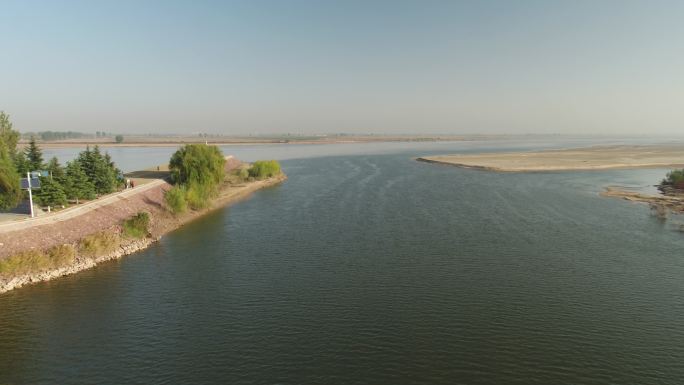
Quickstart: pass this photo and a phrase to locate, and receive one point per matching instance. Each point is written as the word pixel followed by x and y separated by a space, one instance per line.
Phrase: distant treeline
pixel 55 135
pixel 61 135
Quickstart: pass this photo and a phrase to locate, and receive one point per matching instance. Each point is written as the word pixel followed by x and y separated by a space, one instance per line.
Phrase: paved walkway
pixel 77 210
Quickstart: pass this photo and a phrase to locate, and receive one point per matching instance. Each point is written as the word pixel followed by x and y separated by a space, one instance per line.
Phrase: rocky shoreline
pixel 165 224
pixel 80 264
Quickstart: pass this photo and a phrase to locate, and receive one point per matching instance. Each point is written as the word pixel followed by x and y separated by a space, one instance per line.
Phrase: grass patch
pixel 35 261
pixel 138 226
pixel 99 243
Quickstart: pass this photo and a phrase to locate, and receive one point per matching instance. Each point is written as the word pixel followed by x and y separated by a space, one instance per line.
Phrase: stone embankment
pixel 80 264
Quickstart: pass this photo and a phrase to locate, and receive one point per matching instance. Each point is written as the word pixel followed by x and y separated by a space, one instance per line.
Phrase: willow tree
pixel 198 170
pixel 10 189
pixel 8 136
pixel 198 164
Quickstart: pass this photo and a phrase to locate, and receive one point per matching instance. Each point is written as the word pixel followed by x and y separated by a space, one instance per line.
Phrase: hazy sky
pixel 577 67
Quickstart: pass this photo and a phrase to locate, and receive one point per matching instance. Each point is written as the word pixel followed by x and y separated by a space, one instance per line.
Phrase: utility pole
pixel 28 178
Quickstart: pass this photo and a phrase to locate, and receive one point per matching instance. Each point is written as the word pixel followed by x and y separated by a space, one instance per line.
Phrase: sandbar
pixel 590 158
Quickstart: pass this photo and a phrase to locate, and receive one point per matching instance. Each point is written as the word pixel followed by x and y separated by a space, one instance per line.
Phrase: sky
pixel 395 67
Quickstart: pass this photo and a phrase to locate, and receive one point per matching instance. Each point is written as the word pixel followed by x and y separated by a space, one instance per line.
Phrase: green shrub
pixel 175 199
pixel 264 169
pixel 198 196
pixel 138 226
pixel 99 243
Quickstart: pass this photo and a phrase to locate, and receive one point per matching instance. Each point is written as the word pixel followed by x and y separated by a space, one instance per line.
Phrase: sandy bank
pixel 108 218
pixel 592 158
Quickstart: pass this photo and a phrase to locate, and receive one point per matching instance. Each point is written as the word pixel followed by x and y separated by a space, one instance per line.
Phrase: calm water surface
pixel 376 269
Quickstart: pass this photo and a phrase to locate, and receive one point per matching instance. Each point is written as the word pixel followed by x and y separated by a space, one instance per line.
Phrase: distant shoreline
pixel 580 159
pixel 174 142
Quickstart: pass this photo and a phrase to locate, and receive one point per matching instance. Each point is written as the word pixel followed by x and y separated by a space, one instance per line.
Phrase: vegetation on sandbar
pixel 674 179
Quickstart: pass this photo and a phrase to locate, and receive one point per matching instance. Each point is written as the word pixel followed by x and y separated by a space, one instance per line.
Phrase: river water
pixel 368 267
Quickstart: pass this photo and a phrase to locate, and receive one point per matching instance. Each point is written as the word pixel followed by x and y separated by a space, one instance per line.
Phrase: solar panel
pixel 35 183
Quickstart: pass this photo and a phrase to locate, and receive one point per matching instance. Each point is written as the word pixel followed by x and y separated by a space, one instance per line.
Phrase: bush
pixel 175 199
pixel 137 226
pixel 198 196
pixel 264 169
pixel 99 243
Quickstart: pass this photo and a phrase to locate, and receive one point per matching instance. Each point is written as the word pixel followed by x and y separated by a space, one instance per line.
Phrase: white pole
pixel 28 176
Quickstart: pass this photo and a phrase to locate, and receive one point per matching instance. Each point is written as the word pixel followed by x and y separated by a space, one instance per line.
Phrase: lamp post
pixel 28 178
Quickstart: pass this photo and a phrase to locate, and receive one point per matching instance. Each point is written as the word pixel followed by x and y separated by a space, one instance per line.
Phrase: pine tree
pixel 76 183
pixel 100 170
pixel 56 170
pixel 51 193
pixel 21 164
pixel 34 156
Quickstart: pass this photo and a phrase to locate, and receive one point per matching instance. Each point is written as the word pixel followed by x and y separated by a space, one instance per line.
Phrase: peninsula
pixel 121 223
pixel 591 158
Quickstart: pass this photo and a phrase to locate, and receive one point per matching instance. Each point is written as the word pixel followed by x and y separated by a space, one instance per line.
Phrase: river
pixel 368 267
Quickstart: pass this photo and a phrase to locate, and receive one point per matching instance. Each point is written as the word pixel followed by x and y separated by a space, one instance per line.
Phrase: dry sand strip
pixel 591 158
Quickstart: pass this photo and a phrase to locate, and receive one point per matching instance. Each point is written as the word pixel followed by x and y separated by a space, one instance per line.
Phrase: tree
pixel 8 136
pixel 21 164
pixel 198 163
pixel 100 170
pixel 34 156
pixel 119 138
pixel 76 183
pixel 55 169
pixel 51 192
pixel 10 190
